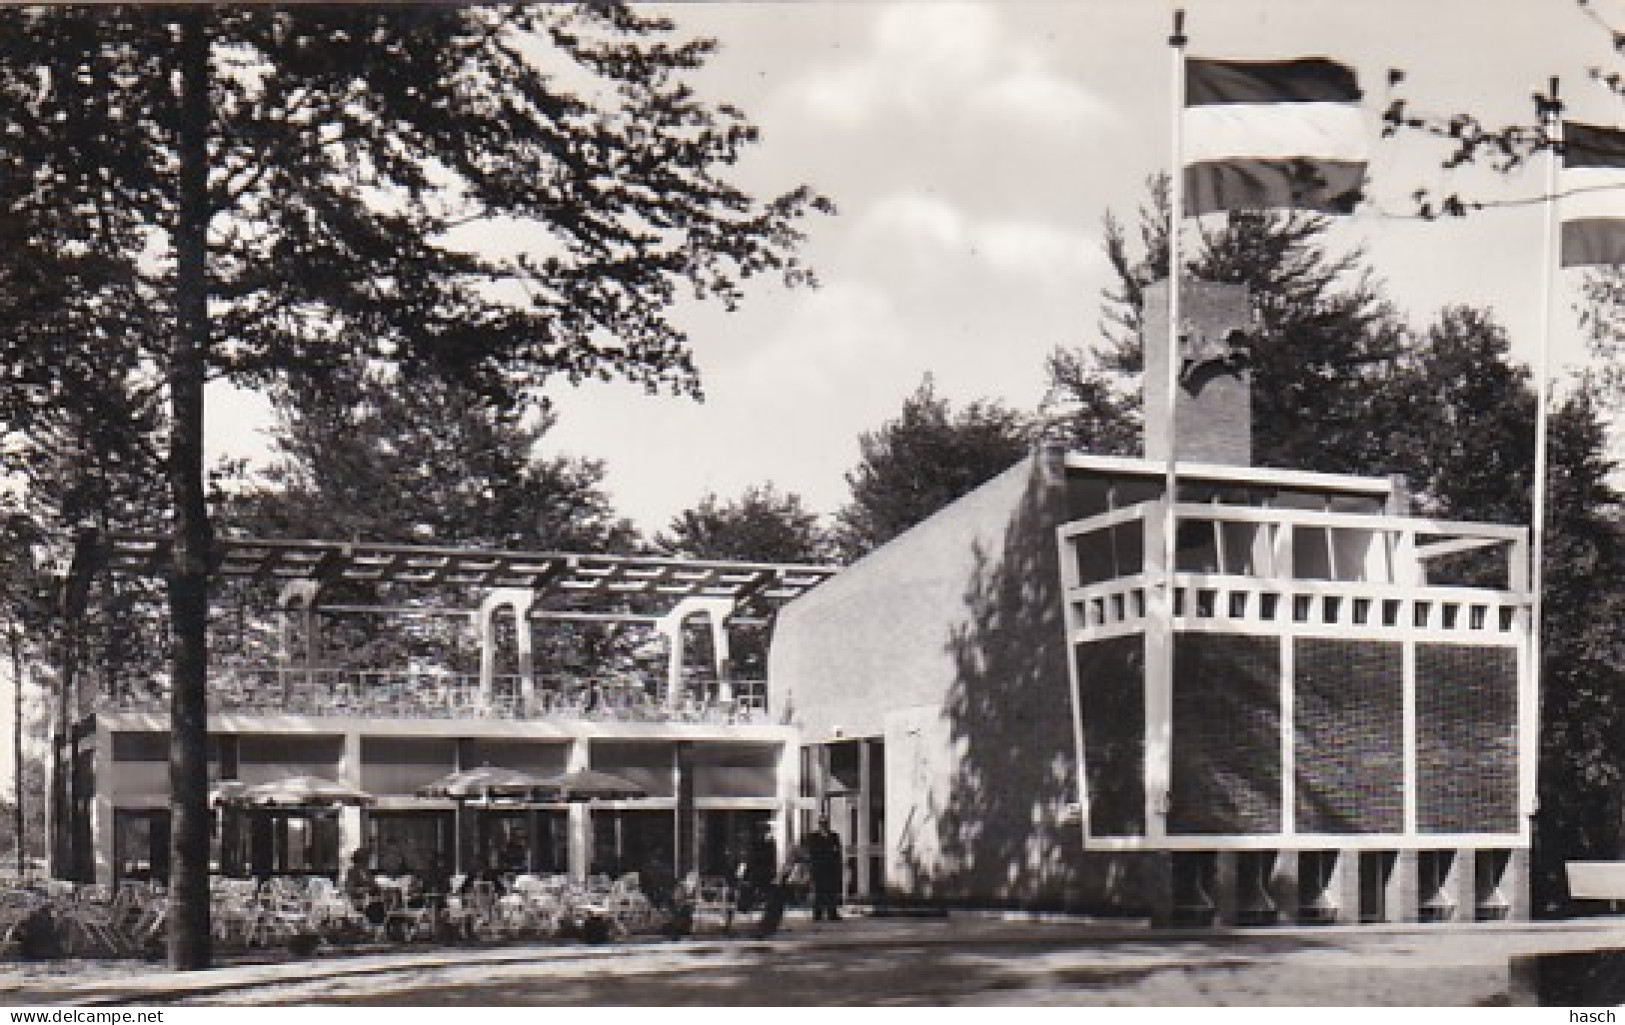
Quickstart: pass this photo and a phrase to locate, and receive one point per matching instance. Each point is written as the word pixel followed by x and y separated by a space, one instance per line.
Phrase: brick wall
pixel 1213 412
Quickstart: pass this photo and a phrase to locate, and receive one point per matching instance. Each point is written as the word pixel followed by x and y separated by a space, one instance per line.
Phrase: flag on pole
pixel 1267 134
pixel 1592 206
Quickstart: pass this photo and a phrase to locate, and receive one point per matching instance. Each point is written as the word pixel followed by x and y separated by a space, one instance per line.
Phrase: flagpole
pixel 1176 208
pixel 1551 112
pixel 1158 781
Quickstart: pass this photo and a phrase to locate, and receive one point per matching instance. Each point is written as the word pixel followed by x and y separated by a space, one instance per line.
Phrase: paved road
pixel 958 961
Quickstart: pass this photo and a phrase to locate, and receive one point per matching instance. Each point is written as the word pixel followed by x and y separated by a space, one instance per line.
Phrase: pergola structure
pixel 656 590
pixel 660 582
pixel 382 726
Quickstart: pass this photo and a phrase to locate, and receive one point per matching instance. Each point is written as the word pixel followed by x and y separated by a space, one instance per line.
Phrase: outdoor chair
pixel 330 909
pixel 150 919
pixel 628 909
pixel 90 918
pixel 484 921
pixel 711 899
pixel 408 921
pixel 237 915
pixel 16 906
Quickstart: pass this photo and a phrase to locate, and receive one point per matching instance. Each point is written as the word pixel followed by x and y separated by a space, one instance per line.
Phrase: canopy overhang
pixel 656 583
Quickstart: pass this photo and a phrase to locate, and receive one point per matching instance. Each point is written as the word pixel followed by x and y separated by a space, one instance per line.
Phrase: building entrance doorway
pixel 848 783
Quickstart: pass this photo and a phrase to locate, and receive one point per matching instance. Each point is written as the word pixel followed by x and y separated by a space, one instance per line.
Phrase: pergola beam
pixel 658 582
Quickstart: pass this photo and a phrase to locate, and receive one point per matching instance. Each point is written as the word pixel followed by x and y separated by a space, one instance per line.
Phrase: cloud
pixel 921 234
pixel 955 60
pixel 1040 98
pixel 1041 251
pixel 827 345
pixel 912 219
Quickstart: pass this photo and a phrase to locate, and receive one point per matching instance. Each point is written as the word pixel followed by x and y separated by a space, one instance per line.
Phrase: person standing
pixel 759 870
pixel 824 858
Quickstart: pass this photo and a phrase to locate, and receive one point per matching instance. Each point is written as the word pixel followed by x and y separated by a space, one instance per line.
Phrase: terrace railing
pixel 425 694
pixel 1274 569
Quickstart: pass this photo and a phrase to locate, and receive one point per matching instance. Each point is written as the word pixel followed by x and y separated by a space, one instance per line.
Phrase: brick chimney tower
pixel 1213 420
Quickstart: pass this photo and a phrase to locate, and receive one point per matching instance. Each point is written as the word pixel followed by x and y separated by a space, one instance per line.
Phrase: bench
pixel 1597 880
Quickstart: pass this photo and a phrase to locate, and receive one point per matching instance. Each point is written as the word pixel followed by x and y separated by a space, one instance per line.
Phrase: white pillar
pixel 350 833
pixel 101 809
pixel 580 816
pixel 303 653
pixel 785 820
pixel 719 649
pixel 519 601
pixel 672 631
pixel 671 627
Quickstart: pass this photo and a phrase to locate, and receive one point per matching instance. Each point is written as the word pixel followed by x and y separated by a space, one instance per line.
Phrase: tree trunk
pixel 14 637
pixel 188 582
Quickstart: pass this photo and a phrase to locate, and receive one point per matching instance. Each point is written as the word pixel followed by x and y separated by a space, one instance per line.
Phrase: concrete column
pixel 1255 898
pixel 580 818
pixel 580 825
pixel 527 653
pixel 821 777
pixel 486 636
pixel 351 835
pixel 1283 885
pixel 789 791
pixel 1460 884
pixel 464 823
pixel 671 627
pixel 1228 888
pixel 672 630
pixel 1346 885
pixel 1515 884
pixel 860 843
pixel 688 817
pixel 1402 898
pixel 720 652
pixel 101 808
pixel 301 644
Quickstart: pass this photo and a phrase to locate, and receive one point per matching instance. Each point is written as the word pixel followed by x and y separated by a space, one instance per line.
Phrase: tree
pixel 1084 409
pixel 920 462
pixel 761 525
pixel 1456 417
pixel 1582 691
pixel 1324 337
pixel 25 600
pixel 433 461
pixel 290 191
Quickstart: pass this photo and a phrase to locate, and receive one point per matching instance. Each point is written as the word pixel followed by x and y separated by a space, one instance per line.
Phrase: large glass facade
pixel 725 838
pixel 523 840
pixel 141 844
pixel 408 842
pixel 633 841
pixel 272 842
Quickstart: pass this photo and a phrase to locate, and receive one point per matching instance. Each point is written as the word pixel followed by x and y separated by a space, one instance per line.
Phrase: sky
pixel 972 150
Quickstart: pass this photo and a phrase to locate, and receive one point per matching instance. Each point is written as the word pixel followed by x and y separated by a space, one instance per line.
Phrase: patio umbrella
pixel 484 783
pixel 227 791
pixel 590 784
pixel 305 792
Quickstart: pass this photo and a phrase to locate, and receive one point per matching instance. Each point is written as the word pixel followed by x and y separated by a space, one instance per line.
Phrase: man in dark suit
pixel 824 858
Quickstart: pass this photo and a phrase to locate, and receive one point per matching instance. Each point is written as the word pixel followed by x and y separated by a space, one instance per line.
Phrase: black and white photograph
pixel 798 503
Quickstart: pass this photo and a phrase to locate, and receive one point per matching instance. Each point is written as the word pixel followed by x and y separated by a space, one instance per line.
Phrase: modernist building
pixel 1321 709
pixel 1289 698
pixel 692 735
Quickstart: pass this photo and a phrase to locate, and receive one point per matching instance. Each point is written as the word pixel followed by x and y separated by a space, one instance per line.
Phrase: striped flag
pixel 1592 207
pixel 1266 134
